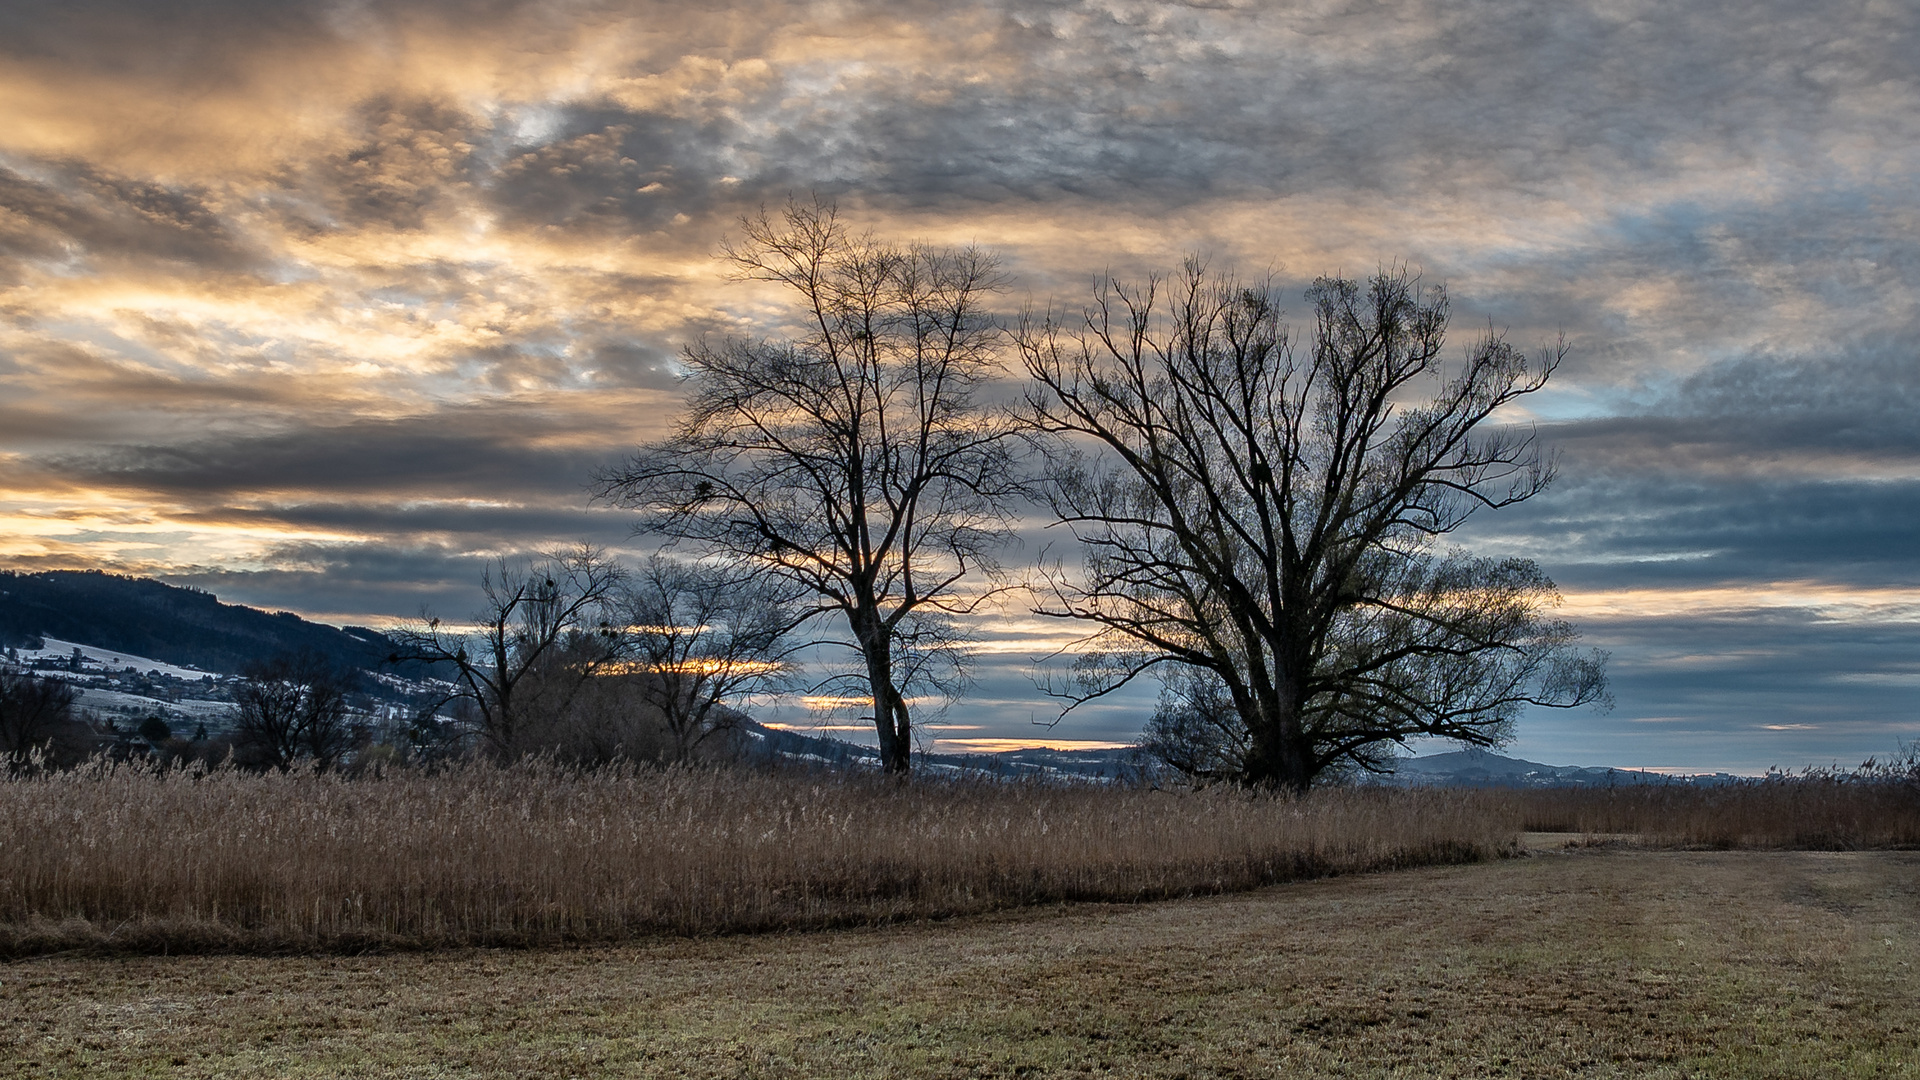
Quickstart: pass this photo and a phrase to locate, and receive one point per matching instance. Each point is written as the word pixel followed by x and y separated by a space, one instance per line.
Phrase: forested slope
pixel 165 622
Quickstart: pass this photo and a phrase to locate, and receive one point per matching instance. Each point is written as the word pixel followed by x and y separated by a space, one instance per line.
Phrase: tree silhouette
pixel 1266 514
pixel 852 459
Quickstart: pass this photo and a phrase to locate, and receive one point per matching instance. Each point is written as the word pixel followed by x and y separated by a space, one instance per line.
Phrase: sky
pixel 321 306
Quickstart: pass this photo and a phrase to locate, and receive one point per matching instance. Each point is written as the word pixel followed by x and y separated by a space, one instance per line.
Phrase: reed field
pixel 1830 812
pixel 125 857
pixel 384 916
pixel 120 857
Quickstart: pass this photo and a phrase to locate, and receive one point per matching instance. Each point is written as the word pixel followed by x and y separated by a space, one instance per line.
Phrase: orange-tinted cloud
pixel 320 303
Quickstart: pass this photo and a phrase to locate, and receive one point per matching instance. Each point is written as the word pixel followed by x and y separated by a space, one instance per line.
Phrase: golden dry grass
pixel 1831 812
pixel 131 858
pixel 1592 964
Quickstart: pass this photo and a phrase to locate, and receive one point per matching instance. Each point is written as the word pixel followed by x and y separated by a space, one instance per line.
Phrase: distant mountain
pixel 1118 763
pixel 165 622
pixel 1482 768
pixel 1037 762
pixel 1458 769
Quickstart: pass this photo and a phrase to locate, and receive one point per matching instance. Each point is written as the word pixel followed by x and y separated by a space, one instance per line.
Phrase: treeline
pixel 573 657
pixel 300 711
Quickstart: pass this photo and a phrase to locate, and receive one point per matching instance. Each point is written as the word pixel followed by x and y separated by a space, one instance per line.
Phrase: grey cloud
pixel 634 171
pixel 108 393
pixel 634 363
pixel 1158 105
pixel 1600 533
pixel 1754 471
pixel 1715 200
pixel 396 580
pixel 1409 99
pixel 198 43
pixel 1184 101
pixel 479 453
pixel 183 39
pixel 113 217
pixel 1757 469
pixel 1746 692
pixel 408 156
pixel 1182 105
pixel 571 357
pixel 1004 689
pixel 1789 274
pixel 562 515
pixel 1866 397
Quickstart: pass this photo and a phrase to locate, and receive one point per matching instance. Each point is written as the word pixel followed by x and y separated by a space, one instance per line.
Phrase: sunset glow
pixel 321 306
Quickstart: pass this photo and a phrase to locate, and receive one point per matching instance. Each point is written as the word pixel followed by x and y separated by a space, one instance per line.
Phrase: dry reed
pixel 128 857
pixel 1822 812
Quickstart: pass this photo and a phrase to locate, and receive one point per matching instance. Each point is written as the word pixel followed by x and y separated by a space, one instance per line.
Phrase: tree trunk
pixel 1278 757
pixel 499 729
pixel 902 735
pixel 890 717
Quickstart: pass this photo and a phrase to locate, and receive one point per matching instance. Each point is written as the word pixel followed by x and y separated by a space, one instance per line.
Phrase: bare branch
pixel 1261 518
pixel 854 461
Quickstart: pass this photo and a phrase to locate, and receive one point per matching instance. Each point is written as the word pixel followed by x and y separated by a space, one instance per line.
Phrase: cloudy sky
pixel 321 305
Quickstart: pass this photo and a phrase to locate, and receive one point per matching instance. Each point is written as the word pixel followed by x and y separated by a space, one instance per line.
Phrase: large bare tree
pixel 851 458
pixel 1265 515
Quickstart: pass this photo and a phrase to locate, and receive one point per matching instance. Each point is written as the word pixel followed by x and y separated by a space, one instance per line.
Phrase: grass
pixel 131 858
pixel 354 911
pixel 1598 963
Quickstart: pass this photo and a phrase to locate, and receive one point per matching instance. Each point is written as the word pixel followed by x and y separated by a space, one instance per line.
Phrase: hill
pixel 176 625
pixel 1034 762
pixel 1481 768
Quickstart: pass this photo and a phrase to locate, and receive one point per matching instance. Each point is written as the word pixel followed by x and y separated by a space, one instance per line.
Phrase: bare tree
pixel 293 707
pixel 36 714
pixel 1267 515
pixel 1196 731
pixel 539 635
pixel 699 635
pixel 852 460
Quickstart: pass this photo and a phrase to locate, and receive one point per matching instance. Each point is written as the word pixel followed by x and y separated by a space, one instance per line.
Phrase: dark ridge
pixel 166 622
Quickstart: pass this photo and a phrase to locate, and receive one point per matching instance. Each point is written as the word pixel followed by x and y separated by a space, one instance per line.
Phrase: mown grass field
pixel 1599 962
